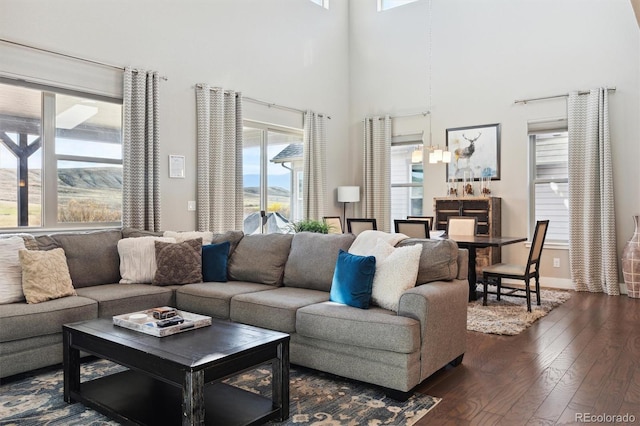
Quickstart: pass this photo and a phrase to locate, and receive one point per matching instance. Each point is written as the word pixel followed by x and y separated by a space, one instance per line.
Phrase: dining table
pixel 473 242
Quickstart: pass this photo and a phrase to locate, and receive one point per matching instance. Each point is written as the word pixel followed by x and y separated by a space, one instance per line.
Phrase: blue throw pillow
pixel 214 262
pixel 353 280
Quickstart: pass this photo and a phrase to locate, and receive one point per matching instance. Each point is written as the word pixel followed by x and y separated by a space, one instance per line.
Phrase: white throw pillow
pixel 396 272
pixel 138 258
pixel 10 270
pixel 181 237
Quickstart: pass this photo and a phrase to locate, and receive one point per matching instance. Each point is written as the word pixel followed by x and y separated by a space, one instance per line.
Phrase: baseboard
pixel 559 283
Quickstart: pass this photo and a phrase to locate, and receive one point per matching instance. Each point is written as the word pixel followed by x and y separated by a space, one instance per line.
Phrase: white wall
pixel 486 54
pixel 289 52
pixel 351 61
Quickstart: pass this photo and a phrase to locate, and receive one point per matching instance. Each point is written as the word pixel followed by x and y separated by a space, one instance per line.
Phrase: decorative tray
pixel 144 322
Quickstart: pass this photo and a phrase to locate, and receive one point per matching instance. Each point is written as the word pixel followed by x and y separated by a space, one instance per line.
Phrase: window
pixel 323 3
pixel 549 189
pixel 390 4
pixel 60 158
pixel 272 177
pixel 406 177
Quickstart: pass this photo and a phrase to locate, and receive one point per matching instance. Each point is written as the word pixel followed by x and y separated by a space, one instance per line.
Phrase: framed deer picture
pixel 475 151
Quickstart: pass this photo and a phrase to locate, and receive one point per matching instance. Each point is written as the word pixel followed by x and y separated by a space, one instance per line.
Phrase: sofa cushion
pixel 312 259
pixel 178 263
pixel 22 320
pixel 92 256
pixel 118 299
pixel 396 272
pixel 45 275
pixel 260 258
pixel 213 298
pixel 274 309
pixel 438 261
pixel 353 280
pixel 214 262
pixel 233 237
pixel 10 270
pixel 375 328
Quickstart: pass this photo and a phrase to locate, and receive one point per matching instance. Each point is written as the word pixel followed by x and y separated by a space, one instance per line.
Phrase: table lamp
pixel 347 194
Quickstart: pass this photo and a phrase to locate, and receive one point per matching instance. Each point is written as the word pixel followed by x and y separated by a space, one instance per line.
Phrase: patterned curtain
pixel 141 150
pixel 592 232
pixel 315 166
pixel 376 200
pixel 219 177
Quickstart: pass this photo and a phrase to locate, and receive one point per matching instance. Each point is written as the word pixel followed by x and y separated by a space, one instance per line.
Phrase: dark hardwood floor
pixel 583 357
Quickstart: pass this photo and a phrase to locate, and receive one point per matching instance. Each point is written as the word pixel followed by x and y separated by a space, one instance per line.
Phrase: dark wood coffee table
pixel 177 379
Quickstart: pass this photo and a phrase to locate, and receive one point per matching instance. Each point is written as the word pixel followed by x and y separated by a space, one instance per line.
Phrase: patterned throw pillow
pixel 45 275
pixel 178 263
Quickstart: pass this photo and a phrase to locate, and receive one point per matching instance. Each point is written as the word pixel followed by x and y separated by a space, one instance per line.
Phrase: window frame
pixel 49 167
pixel 554 126
pixel 296 195
pixel 383 7
pixel 408 140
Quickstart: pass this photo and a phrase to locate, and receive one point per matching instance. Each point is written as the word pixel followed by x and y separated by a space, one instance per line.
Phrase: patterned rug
pixel 316 399
pixel 509 316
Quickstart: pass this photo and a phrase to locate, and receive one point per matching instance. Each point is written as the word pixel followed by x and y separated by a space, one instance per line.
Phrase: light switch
pixel 191 206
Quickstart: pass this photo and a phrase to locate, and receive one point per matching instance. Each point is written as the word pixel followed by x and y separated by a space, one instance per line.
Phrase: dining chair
pixel 427 218
pixel 357 225
pixel 525 272
pixel 334 223
pixel 462 225
pixel 412 228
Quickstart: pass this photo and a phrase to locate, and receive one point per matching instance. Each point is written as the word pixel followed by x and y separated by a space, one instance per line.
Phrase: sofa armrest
pixel 463 264
pixel 441 308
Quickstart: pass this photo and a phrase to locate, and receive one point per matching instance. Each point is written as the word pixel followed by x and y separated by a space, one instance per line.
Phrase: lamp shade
pixel 348 194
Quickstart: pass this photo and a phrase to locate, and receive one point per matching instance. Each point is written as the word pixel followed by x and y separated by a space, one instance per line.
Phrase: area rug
pixel 509 316
pixel 316 398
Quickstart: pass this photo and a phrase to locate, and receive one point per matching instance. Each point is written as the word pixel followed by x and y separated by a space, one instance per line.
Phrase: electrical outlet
pixel 191 206
pixel 556 262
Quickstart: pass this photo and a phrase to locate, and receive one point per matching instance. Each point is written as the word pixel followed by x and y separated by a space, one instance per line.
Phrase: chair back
pixel 427 218
pixel 334 223
pixel 412 228
pixel 462 225
pixel 356 226
pixel 537 243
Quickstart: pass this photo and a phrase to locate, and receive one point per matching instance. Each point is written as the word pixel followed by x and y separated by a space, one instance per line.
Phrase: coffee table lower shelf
pixel 135 398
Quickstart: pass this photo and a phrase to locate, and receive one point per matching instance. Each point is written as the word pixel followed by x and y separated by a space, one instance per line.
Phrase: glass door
pixel 272 176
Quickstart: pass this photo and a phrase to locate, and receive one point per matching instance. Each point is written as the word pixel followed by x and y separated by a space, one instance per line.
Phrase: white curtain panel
pixel 592 233
pixel 315 166
pixel 219 177
pixel 376 200
pixel 141 150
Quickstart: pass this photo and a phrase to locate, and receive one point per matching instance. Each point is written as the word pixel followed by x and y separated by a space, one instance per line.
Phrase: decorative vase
pixel 631 263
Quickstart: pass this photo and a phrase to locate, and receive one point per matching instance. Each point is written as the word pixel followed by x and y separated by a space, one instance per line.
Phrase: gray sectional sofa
pixel 276 281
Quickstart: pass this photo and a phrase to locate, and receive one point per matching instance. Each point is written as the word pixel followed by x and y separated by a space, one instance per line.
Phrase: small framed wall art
pixel 475 152
pixel 176 166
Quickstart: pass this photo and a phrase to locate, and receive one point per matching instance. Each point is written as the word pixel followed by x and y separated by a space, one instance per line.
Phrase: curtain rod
pixel 265 103
pixel 413 114
pixel 77 58
pixel 581 92
pixel 273 105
